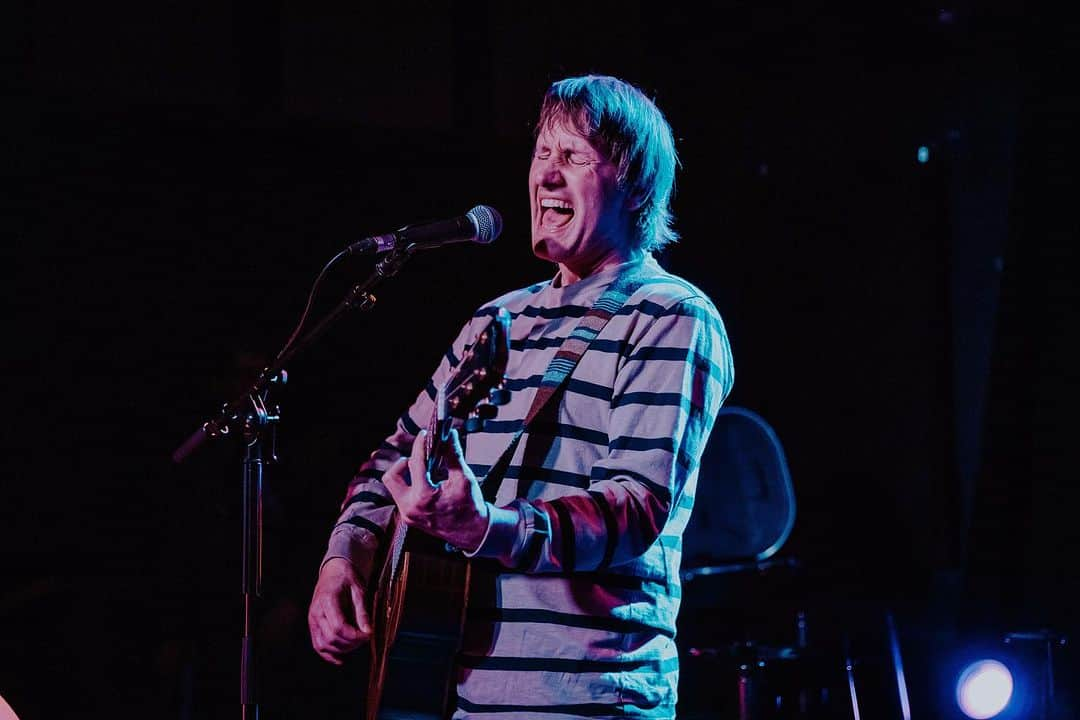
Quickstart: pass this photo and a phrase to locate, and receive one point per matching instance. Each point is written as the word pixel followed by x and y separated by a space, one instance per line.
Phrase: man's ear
pixel 635 201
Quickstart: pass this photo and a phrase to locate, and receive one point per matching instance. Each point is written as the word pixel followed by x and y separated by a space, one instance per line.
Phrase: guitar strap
pixel 562 365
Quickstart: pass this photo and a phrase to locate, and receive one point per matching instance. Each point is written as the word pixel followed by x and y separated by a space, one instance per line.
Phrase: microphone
pixel 481 225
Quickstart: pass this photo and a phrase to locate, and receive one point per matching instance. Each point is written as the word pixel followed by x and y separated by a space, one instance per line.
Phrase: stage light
pixel 923 155
pixel 984 689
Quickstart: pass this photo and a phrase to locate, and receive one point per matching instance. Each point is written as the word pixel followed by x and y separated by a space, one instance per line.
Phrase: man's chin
pixel 540 248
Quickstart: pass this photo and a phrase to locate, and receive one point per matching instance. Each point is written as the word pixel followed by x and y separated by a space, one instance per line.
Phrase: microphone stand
pixel 252 415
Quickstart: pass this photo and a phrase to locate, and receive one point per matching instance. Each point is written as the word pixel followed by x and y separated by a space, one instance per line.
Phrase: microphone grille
pixel 488 223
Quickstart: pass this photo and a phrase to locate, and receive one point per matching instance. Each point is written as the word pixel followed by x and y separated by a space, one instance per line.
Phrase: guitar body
pixel 419 612
pixel 418 607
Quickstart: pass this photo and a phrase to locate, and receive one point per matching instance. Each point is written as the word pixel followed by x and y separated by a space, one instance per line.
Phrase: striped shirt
pixel 587 577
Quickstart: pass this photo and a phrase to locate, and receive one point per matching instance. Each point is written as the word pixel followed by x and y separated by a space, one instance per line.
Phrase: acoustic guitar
pixel 419 603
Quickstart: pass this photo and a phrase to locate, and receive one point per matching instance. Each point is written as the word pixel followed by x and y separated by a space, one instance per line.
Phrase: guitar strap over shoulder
pixel 605 307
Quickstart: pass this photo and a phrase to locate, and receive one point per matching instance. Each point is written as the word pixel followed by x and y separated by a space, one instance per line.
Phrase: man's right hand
pixel 338 618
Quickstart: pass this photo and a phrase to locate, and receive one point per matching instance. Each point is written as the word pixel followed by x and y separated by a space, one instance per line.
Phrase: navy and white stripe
pixel 603 484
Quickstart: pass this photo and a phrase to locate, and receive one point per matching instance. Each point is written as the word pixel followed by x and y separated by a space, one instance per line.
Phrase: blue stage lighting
pixel 923 154
pixel 984 689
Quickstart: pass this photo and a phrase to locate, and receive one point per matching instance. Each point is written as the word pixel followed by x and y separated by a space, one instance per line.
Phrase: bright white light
pixel 984 689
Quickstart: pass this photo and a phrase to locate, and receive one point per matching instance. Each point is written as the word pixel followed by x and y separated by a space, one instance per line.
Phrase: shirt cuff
pixel 516 536
pixel 502 535
pixel 356 545
pixel 487 531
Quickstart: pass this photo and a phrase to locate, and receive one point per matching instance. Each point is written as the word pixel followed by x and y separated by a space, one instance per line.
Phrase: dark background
pixel 180 173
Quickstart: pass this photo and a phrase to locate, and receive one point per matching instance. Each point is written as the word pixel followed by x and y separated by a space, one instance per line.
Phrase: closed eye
pixel 574 158
pixel 578 159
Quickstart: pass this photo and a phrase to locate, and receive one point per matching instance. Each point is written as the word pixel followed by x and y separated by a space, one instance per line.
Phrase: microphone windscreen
pixel 488 223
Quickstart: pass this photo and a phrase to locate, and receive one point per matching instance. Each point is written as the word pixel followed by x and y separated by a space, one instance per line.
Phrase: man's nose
pixel 549 171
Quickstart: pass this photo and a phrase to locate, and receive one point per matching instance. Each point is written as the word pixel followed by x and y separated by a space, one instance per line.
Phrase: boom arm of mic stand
pixel 358 297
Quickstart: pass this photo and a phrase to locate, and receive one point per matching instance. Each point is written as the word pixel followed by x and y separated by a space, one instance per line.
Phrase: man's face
pixel 579 215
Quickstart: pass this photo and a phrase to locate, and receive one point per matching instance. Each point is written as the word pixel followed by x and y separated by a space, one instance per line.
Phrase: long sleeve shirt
pixel 577 617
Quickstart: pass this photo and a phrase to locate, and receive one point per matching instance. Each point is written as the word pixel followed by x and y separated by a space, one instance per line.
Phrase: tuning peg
pixel 474 424
pixel 485 411
pixel 499 396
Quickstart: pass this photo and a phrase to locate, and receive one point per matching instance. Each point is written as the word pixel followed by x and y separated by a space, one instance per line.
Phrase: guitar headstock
pixel 474 391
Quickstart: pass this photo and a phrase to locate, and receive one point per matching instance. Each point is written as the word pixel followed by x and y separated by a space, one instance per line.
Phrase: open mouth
pixel 555 213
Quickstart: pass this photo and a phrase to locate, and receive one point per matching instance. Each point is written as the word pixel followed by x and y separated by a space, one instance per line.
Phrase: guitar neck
pixel 438 432
pixel 418 606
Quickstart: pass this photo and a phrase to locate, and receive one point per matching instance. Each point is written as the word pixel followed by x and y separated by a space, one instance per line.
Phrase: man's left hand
pixel 453 510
